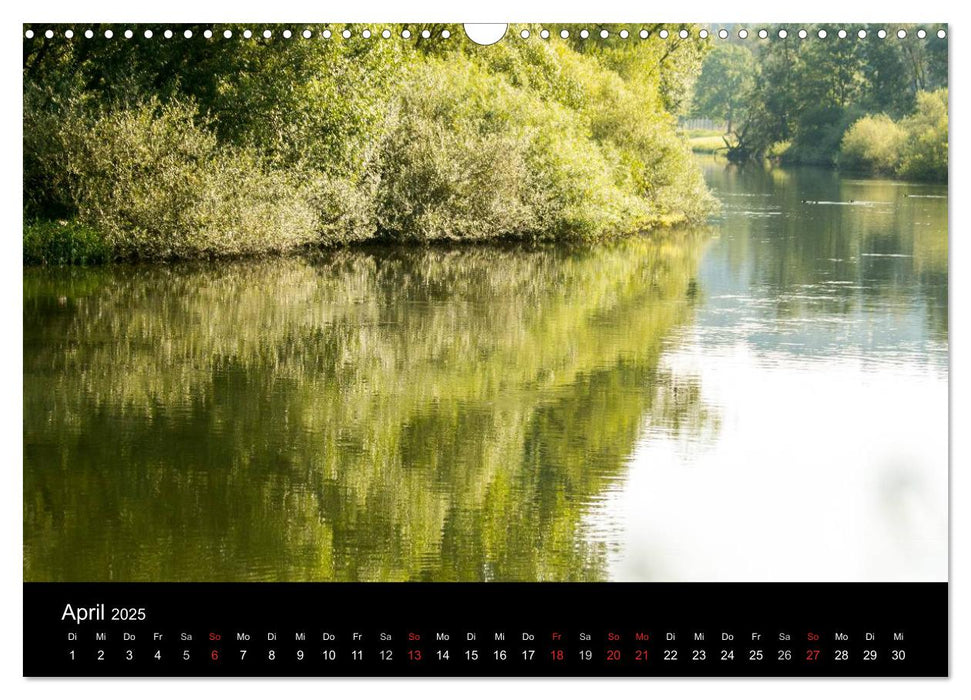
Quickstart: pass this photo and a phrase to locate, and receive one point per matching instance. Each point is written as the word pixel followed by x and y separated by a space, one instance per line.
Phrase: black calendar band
pixel 485 629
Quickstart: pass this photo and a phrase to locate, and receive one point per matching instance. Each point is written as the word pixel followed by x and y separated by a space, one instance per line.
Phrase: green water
pixel 476 413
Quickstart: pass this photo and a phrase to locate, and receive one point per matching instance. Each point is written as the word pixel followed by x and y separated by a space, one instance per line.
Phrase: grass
pixel 64 243
pixel 706 140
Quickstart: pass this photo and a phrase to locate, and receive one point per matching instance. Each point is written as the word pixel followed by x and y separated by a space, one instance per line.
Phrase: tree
pixel 806 91
pixel 727 78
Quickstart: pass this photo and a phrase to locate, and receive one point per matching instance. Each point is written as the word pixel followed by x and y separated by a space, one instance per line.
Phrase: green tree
pixel 724 87
pixel 888 86
pixel 807 92
pixel 359 138
pixel 925 153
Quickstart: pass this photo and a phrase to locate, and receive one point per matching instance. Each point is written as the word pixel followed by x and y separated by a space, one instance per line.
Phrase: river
pixel 764 399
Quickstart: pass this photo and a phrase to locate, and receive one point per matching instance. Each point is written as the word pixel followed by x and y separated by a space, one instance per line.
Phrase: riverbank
pixel 71 243
pixel 64 243
pixel 708 141
pixel 554 140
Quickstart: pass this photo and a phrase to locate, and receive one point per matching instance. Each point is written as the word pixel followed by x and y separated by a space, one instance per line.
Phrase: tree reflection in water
pixel 361 415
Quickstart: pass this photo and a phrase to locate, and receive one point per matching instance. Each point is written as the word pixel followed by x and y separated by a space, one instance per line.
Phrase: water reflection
pixel 766 403
pixel 821 343
pixel 364 415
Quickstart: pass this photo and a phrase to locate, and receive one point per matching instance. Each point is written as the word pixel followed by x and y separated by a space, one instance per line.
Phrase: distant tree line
pixel 799 99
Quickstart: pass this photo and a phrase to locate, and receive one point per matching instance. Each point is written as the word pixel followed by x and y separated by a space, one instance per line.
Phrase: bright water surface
pixel 765 400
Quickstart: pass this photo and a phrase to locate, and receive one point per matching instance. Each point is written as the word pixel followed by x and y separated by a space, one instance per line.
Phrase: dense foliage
pixel 727 77
pixel 873 144
pixel 63 243
pixel 803 94
pixel 184 147
pixel 914 147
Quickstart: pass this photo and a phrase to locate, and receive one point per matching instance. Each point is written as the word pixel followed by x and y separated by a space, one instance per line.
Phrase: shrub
pixel 820 131
pixel 777 151
pixel 448 169
pixel 924 154
pixel 651 164
pixel 914 148
pixel 158 186
pixel 48 191
pixel 480 150
pixel 873 144
pixel 534 139
pixel 63 243
pixel 345 210
pixel 472 156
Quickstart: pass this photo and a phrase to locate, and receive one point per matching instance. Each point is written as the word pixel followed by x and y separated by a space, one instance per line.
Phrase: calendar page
pixel 485 350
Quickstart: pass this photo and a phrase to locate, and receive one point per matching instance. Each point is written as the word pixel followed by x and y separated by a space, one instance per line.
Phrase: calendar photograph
pixel 388 303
